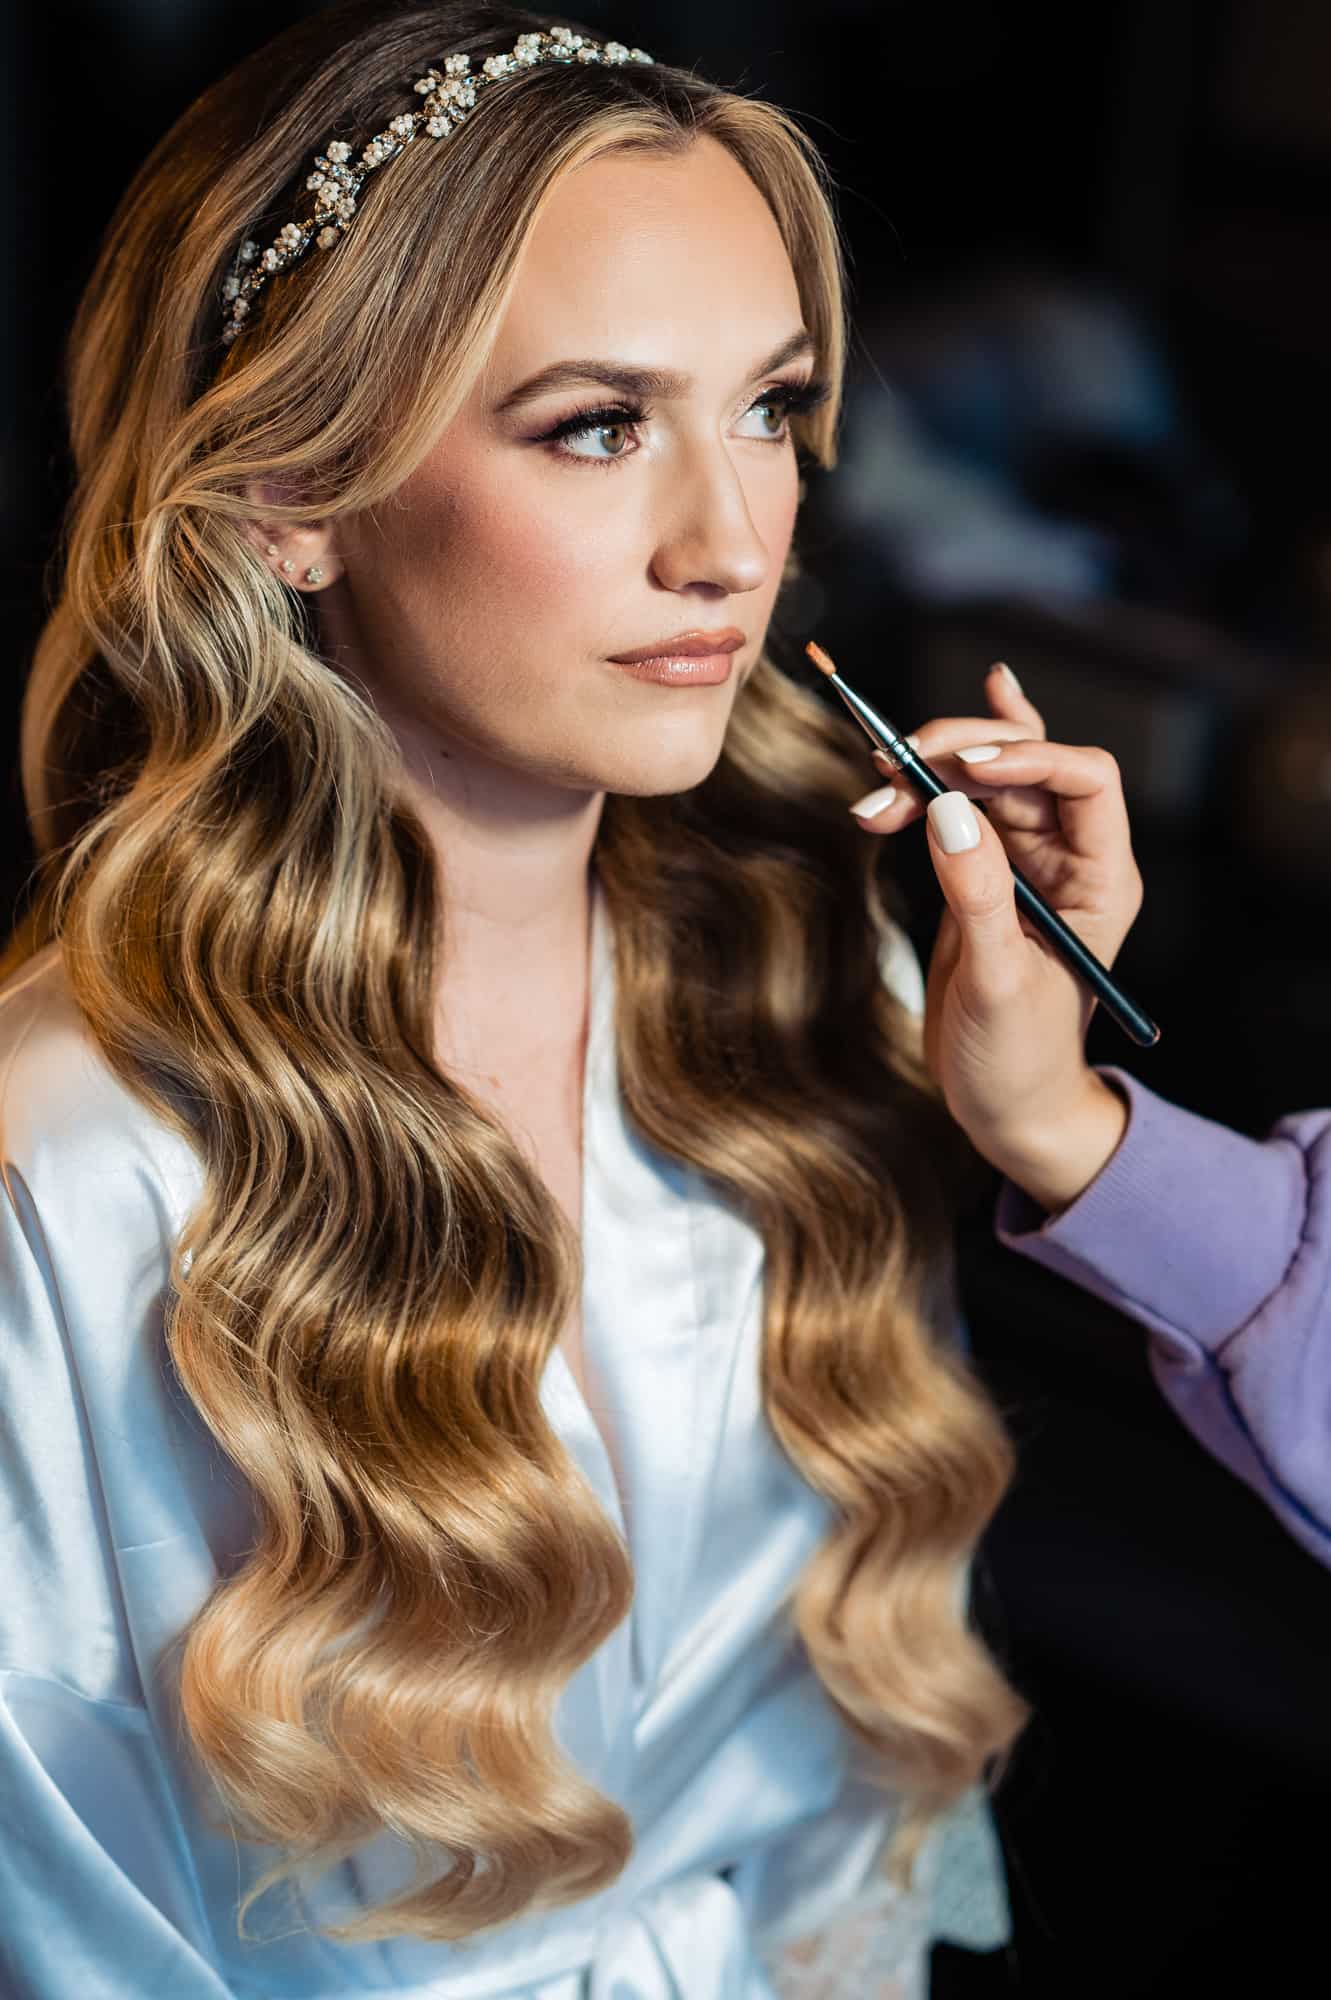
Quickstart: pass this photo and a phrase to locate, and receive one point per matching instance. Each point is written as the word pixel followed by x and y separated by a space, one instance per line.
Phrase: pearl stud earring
pixel 314 574
pixel 288 568
pixel 271 549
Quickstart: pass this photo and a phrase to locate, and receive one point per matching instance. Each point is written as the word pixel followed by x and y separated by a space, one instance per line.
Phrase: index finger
pixel 947 733
pixel 1083 778
pixel 1009 698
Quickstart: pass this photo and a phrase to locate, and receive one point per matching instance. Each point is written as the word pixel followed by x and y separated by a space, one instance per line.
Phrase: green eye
pixel 614 437
pixel 608 432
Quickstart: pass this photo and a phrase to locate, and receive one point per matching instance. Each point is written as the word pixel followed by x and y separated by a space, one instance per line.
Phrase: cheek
pixel 541 540
pixel 779 524
pixel 533 541
pixel 773 504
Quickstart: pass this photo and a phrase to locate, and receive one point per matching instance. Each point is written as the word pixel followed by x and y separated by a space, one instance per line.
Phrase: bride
pixel 488 1476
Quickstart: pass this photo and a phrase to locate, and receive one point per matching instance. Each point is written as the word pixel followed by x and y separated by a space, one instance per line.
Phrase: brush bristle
pixel 823 661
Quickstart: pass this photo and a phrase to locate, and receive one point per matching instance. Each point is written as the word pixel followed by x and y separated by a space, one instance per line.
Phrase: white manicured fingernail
pixel 954 822
pixel 913 741
pixel 874 803
pixel 981 753
pixel 1004 668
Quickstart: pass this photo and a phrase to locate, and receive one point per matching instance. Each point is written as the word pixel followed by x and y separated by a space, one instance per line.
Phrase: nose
pixel 710 543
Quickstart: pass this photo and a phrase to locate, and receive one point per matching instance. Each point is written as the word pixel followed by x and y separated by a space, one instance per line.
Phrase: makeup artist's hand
pixel 1005 1021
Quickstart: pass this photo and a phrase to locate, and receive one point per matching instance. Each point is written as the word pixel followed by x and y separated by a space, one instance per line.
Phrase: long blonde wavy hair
pixel 368 1291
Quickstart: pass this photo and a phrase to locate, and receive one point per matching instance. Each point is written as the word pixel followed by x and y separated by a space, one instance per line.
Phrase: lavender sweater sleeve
pixel 1221 1246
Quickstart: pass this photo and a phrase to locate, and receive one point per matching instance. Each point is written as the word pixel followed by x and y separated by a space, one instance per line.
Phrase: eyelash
pixel 795 398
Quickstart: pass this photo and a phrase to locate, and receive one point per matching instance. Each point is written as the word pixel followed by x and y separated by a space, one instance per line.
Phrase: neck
pixel 513 854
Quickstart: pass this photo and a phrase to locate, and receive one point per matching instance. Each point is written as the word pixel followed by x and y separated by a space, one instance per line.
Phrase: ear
pixel 303 553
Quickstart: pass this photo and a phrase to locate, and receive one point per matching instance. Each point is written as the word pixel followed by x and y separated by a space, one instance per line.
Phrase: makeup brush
pixel 1137 1026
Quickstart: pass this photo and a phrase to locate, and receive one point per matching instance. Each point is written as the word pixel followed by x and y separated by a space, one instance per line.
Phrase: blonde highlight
pixel 366 1296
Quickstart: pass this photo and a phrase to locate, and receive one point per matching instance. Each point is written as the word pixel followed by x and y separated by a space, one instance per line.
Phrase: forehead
pixel 669 259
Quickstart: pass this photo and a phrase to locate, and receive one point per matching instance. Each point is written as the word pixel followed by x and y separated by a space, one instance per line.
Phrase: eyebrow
pixel 642 383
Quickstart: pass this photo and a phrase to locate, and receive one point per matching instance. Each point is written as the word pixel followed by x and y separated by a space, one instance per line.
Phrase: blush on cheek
pixel 491 562
pixel 513 538
pixel 518 524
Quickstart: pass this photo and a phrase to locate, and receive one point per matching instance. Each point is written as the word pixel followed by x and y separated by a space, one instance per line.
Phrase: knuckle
pixel 986 907
pixel 1103 761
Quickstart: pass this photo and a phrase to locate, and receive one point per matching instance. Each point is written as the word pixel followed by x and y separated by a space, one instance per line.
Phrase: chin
pixel 655 770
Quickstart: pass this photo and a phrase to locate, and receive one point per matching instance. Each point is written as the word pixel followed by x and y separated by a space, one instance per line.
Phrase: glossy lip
pixel 686 670
pixel 692 645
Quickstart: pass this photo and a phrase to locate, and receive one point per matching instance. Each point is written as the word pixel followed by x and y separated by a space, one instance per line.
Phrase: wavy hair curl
pixel 369 1289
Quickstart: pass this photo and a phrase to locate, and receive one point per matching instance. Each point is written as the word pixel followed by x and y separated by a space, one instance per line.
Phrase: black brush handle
pixel 1139 1027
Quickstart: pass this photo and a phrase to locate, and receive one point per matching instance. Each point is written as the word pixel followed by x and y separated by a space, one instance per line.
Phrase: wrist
pixel 1055 1160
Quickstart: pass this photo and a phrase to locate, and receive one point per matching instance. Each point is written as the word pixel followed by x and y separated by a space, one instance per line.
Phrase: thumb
pixel 972 868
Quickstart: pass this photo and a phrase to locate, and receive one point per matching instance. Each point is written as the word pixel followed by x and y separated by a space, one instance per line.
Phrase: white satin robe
pixel 117 1513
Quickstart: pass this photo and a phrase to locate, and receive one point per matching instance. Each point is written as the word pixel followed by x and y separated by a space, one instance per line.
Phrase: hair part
pixel 369 1289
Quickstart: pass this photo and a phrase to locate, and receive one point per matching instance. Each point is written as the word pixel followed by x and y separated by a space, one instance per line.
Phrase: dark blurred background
pixel 1087 433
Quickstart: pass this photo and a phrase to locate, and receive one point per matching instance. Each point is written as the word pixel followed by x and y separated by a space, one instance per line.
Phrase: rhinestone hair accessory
pixel 335 180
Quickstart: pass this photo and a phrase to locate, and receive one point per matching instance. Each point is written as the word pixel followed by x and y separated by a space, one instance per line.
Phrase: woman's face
pixel 622 474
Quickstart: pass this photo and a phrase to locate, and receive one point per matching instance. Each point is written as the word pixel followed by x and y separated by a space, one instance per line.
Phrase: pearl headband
pixel 336 179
